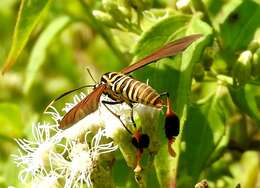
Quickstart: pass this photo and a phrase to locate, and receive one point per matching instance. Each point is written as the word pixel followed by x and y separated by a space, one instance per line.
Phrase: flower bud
pixel 254 45
pixel 183 4
pixel 104 18
pixel 208 56
pixel 113 9
pixel 109 4
pixel 198 72
pixel 242 68
pixel 256 63
pixel 126 10
pixel 141 4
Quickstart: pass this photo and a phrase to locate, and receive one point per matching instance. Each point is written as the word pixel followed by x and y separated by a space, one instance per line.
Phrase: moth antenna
pixel 66 93
pixel 91 76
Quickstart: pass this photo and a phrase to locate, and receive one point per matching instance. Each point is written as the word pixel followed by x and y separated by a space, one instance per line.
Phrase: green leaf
pixel 10 120
pixel 171 74
pixel 38 54
pixel 234 37
pixel 29 15
pixel 202 133
pixel 218 11
pixel 158 35
pixel 245 99
pixel 235 22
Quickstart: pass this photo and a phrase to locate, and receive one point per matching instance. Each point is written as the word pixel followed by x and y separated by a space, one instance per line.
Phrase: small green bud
pixel 109 4
pixel 125 3
pixel 183 5
pixel 198 72
pixel 242 68
pixel 104 18
pixel 254 45
pixel 113 9
pixel 256 63
pixel 208 56
pixel 141 4
pixel 124 10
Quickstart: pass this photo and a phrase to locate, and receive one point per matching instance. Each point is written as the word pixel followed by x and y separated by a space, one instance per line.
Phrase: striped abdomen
pixel 128 89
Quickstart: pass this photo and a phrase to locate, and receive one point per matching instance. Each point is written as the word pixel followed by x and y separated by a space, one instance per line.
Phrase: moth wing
pixel 169 49
pixel 88 105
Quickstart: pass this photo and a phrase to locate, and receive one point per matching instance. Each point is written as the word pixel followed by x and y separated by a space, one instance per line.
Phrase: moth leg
pixel 132 114
pixel 105 103
pixel 172 124
pixel 165 93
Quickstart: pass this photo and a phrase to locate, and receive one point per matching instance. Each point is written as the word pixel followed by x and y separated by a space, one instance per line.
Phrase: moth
pixel 122 88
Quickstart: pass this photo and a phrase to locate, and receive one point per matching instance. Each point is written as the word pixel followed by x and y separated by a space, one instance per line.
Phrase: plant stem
pixel 199 5
pixel 104 33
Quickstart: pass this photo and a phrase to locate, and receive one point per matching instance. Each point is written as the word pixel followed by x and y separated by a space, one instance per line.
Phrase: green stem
pixel 104 33
pixel 199 5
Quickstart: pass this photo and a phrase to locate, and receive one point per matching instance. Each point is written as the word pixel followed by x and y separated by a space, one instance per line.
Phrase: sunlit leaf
pixel 29 15
pixel 39 51
pixel 235 37
pixel 245 99
pixel 228 17
pixel 202 132
pixel 218 11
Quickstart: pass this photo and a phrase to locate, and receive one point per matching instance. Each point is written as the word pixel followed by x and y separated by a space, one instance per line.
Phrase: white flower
pixel 76 100
pixel 148 116
pixel 112 124
pixel 74 163
pixel 72 155
pixel 82 159
pixel 92 122
pixel 56 116
pixel 115 129
pixel 35 161
pixel 49 181
pixel 55 154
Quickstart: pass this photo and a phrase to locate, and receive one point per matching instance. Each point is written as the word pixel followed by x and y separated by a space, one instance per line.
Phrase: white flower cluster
pixel 68 158
pixel 56 158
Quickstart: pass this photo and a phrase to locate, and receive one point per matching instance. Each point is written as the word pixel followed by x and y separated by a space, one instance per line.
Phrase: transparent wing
pixel 88 105
pixel 169 49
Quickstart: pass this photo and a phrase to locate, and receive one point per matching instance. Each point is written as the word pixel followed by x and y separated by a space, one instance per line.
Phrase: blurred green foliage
pixel 49 45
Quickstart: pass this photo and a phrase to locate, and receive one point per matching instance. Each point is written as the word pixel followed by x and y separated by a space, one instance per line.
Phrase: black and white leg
pixel 132 114
pixel 105 103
